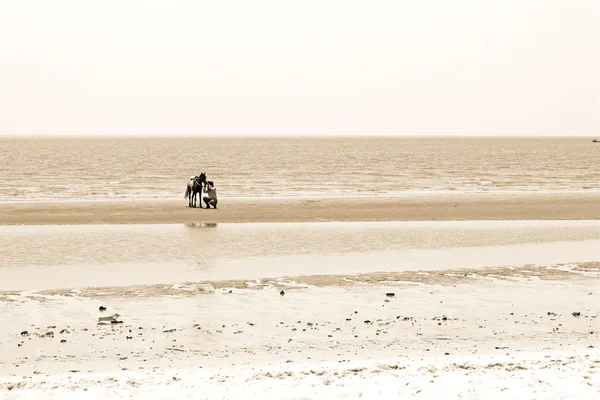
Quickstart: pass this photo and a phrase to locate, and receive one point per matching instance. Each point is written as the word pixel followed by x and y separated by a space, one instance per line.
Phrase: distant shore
pixel 430 208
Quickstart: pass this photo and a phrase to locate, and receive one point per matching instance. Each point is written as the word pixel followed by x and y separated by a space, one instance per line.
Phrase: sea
pixel 80 168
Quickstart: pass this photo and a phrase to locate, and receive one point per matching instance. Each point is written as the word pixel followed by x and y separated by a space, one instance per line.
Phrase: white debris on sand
pixel 561 376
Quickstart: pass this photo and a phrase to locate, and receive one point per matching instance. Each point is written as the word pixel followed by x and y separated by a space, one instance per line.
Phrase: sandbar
pixel 423 208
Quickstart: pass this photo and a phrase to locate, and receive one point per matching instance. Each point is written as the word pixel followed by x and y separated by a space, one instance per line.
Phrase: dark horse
pixel 194 187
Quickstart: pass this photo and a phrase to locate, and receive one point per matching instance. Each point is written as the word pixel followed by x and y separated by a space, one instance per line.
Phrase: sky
pixel 282 67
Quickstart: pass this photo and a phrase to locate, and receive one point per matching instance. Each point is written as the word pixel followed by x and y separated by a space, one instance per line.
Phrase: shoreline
pixel 421 208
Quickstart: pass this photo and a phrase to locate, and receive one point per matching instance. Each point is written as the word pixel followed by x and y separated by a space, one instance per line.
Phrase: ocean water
pixel 64 169
pixel 63 256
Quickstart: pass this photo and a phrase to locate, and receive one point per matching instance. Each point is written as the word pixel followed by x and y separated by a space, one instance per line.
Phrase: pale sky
pixel 277 67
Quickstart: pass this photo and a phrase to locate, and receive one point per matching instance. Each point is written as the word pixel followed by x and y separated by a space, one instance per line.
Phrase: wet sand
pixel 429 208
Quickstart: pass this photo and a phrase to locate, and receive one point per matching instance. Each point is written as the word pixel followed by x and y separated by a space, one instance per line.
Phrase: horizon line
pixel 281 136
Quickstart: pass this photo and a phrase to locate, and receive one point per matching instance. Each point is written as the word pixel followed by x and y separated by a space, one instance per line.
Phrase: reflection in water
pixel 200 224
pixel 105 255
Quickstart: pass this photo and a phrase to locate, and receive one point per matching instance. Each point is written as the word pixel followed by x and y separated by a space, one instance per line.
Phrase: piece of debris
pixel 170 330
pixel 24 333
pixel 390 294
pixel 282 293
pixel 63 341
pixel 576 314
pixel 102 308
pixel 110 318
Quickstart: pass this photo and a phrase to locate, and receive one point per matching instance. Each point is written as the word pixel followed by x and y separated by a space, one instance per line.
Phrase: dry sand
pixel 530 332
pixel 443 208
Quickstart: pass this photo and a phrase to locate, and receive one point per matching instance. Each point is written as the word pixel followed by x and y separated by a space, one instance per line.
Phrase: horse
pixel 194 187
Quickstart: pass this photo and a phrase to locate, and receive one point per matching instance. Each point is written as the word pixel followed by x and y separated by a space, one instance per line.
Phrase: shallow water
pixel 36 257
pixel 99 169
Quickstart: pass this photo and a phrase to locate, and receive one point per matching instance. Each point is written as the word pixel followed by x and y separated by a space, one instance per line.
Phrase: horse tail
pixel 187 192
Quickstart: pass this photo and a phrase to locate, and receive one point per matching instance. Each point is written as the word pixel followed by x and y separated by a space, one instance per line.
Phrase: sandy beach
pixel 502 309
pixel 426 208
pixel 507 333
